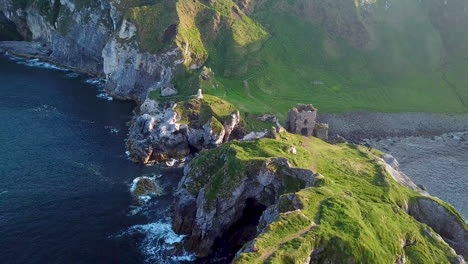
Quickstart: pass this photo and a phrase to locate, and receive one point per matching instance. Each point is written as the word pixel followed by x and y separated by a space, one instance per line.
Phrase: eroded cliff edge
pixel 323 203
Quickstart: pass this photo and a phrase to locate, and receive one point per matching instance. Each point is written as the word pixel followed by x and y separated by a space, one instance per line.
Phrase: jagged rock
pixel 268 118
pixel 155 135
pixel 214 133
pixel 206 73
pixel 254 136
pixel 340 139
pixel 447 224
pixel 204 221
pixel 392 167
pixel 231 124
pixel 168 91
pixel 301 120
pixel 130 73
pixel 321 131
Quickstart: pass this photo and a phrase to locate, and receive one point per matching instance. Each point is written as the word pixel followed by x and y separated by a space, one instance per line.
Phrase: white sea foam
pixel 112 130
pixel 40 64
pixel 158 243
pixel 104 95
pixel 99 82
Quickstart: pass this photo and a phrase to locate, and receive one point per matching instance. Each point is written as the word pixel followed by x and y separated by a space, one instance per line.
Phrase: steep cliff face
pixel 208 204
pixel 94 37
pixel 359 209
pixel 74 32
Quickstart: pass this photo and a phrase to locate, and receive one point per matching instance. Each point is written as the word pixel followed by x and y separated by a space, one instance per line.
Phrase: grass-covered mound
pixel 197 112
pixel 354 214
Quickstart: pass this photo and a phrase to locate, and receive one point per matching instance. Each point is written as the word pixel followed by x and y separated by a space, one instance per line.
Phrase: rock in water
pixel 143 186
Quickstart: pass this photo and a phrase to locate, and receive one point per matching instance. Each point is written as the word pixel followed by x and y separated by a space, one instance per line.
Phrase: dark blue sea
pixel 65 176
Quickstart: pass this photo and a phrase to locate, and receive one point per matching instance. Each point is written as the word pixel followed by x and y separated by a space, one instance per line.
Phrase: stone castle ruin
pixel 302 120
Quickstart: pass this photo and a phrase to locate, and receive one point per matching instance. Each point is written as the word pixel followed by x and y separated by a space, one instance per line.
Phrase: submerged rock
pixel 143 186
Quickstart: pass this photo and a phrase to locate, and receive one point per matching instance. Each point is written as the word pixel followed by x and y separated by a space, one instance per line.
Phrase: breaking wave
pixel 39 64
pixel 158 243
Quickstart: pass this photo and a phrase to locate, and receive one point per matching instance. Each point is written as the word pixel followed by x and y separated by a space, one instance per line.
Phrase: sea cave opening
pixel 239 233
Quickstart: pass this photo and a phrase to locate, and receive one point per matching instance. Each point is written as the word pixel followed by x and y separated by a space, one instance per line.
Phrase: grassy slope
pixel 285 51
pixel 354 212
pixel 412 64
pixel 300 63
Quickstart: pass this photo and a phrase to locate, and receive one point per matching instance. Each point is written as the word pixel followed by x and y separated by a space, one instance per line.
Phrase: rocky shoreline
pixel 358 125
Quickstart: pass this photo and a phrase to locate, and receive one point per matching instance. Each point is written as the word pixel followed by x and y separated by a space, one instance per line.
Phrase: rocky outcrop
pixel 142 186
pixel 75 36
pixel 203 220
pixel 359 125
pixel 94 38
pixel 392 167
pixel 156 134
pixel 445 221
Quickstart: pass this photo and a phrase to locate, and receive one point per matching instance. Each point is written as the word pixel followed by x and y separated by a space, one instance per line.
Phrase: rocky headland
pixel 315 202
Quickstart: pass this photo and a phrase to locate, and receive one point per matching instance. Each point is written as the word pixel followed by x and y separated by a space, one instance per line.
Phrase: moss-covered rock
pixel 354 212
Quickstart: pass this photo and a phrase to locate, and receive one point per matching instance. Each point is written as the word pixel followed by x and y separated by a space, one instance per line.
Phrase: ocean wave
pixel 72 75
pixel 104 95
pixel 99 82
pixel 158 244
pixel 112 130
pixel 40 64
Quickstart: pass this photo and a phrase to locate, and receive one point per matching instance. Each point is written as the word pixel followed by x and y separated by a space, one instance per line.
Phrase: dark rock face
pixel 445 223
pixel 204 222
pixel 95 39
pixel 75 37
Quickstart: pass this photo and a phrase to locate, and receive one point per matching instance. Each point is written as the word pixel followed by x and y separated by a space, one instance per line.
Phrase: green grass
pixel 289 59
pixel 197 112
pixel 355 212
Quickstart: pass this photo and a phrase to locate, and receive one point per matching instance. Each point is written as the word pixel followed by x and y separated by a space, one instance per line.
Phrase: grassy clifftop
pixel 354 213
